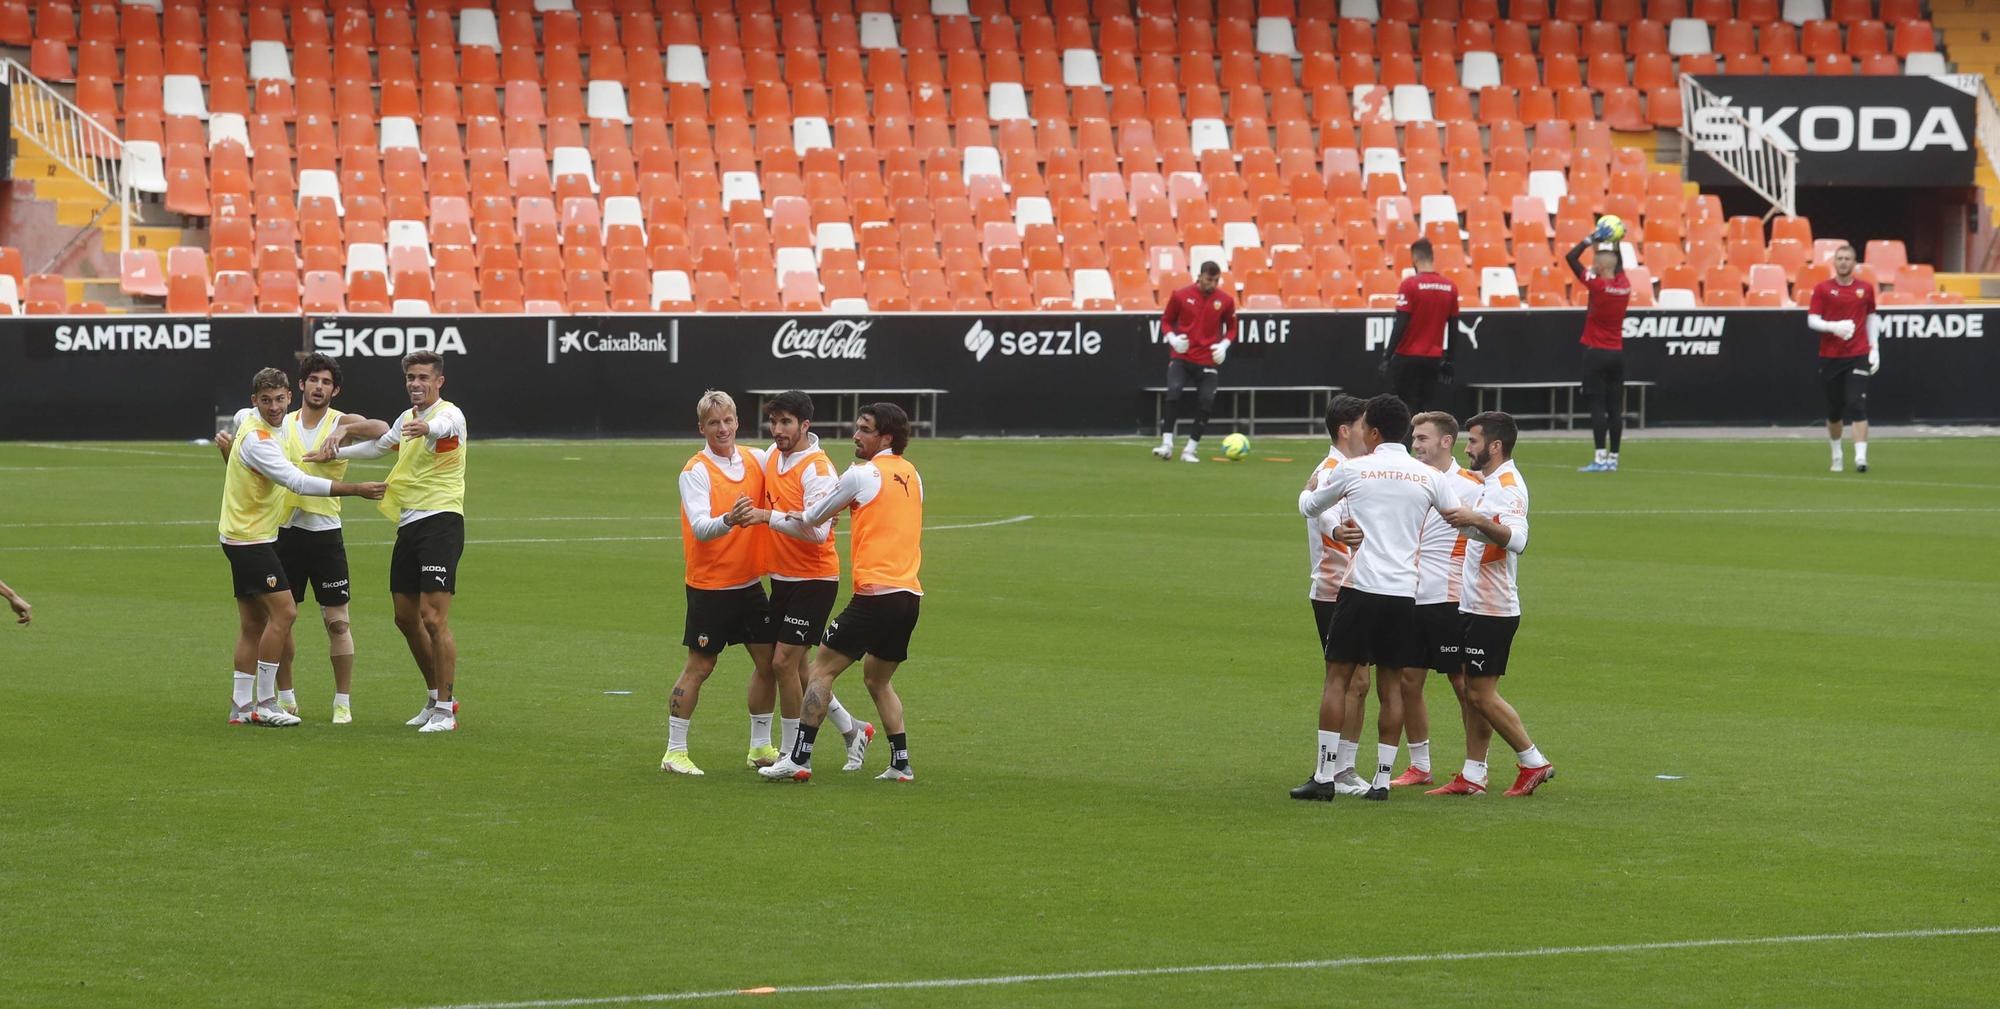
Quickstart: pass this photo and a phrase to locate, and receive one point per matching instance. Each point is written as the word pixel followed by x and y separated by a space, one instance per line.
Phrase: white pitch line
pixel 115 451
pixel 138 523
pixel 480 542
pixel 1232 968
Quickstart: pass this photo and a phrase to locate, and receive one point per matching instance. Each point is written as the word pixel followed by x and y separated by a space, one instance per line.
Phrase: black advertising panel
pixel 133 376
pixel 1075 373
pixel 1847 131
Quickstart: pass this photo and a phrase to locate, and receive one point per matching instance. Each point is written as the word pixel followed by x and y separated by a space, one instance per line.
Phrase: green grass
pixel 1106 703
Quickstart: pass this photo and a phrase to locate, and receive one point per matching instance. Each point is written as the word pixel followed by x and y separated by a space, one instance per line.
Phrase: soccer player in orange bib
pixel 887 497
pixel 725 578
pixel 804 569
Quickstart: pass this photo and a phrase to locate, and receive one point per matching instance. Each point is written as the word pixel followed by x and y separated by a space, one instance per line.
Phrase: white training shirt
pixel 1490 587
pixel 1390 495
pixel 267 457
pixel 1441 548
pixel 856 487
pixel 449 422
pixel 817 486
pixel 300 518
pixel 1330 559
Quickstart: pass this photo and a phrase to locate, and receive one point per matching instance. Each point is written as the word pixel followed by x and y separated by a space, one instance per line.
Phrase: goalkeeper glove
pixel 1218 352
pixel 1178 341
pixel 1601 233
pixel 1874 360
pixel 1446 373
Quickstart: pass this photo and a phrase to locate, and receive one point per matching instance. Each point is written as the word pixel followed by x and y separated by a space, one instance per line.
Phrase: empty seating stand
pixel 896 155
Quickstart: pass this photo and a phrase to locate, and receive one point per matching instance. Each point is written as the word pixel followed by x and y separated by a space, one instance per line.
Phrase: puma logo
pixel 903 482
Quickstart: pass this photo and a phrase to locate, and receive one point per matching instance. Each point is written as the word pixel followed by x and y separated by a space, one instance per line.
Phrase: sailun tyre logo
pixel 336 340
pixel 841 339
pixel 1072 342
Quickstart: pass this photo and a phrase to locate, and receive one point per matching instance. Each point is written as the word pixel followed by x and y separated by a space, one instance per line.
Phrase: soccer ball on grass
pixel 1236 446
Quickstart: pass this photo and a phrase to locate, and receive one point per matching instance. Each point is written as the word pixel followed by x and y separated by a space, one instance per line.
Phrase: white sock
pixel 843 722
pixel 1475 771
pixel 433 694
pixel 1167 440
pixel 267 681
pixel 1834 444
pixel 1348 750
pixel 1532 757
pixel 677 734
pixel 341 700
pixel 1860 453
pixel 1420 755
pixel 1601 457
pixel 288 697
pixel 1329 756
pixel 243 691
pixel 789 728
pixel 1385 761
pixel 1611 457
pixel 1192 442
pixel 760 730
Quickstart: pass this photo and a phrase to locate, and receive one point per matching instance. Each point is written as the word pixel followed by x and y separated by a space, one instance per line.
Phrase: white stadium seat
pixel 1080 69
pixel 606 100
pixel 145 168
pixel 685 65
pixel 1687 37
pixel 1274 37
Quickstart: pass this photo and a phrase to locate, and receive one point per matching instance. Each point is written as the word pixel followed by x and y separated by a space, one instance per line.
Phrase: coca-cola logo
pixel 840 339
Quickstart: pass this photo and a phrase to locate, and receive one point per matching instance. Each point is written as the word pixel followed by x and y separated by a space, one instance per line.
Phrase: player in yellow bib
pixel 427 499
pixel 259 489
pixel 310 545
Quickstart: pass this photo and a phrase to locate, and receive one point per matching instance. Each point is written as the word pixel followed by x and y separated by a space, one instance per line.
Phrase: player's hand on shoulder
pixel 1459 517
pixel 1349 534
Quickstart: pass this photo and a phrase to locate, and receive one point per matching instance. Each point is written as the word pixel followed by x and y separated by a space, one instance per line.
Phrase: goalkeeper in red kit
pixel 1199 325
pixel 1850 351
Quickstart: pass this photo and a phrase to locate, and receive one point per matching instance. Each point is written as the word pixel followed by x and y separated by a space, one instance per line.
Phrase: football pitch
pixel 1769 690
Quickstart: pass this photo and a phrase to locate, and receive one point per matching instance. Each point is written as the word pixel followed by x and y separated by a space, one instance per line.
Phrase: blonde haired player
pixel 1440 570
pixel 427 499
pixel 725 565
pixel 804 568
pixel 257 486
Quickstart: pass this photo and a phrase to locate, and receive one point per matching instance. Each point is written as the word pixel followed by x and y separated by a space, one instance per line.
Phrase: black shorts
pixel 718 618
pixel 1440 629
pixel 255 569
pixel 1487 640
pixel 318 557
pixel 1373 629
pixel 1323 619
pixel 1414 379
pixel 799 609
pixel 426 555
pixel 1845 381
pixel 875 625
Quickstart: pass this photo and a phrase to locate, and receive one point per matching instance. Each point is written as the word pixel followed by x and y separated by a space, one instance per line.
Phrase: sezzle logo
pixel 132 336
pixel 840 339
pixel 335 340
pixel 1826 129
pixel 1072 342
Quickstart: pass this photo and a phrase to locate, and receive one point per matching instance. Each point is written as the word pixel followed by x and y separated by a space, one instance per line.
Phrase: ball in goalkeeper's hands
pixel 1611 228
